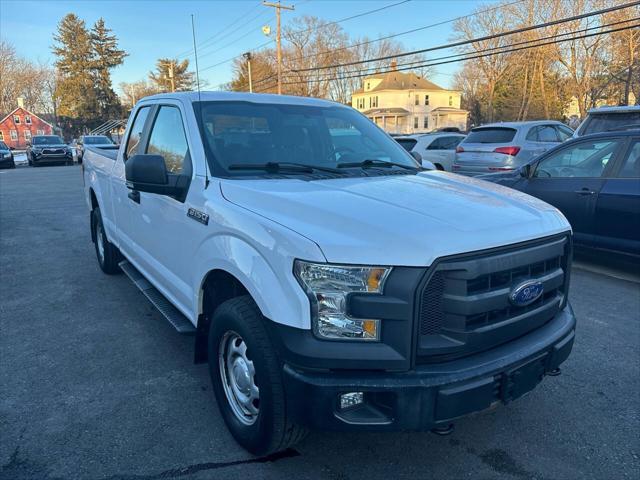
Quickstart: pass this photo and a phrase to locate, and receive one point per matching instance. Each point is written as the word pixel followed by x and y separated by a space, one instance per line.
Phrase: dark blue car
pixel 595 182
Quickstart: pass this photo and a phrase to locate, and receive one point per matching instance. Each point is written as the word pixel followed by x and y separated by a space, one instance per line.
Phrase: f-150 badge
pixel 198 216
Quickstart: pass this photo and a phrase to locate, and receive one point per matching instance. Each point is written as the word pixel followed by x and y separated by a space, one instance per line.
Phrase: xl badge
pixel 526 293
pixel 198 216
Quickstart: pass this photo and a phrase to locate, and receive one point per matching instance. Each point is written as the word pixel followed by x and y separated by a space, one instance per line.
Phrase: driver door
pixel 571 178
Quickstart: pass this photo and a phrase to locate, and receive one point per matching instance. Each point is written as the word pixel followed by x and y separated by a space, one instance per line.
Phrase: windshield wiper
pixel 376 163
pixel 282 166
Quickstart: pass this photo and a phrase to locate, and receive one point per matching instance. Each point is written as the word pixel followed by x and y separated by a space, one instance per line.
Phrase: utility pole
pixel 170 65
pixel 278 7
pixel 248 57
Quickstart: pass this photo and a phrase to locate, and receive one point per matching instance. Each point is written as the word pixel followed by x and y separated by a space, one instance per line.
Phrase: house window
pixel 27 135
pixel 368 86
pixel 450 100
pixel 27 119
pixel 16 119
pixel 426 99
pixel 14 134
pixel 426 122
pixel 39 132
pixel 417 100
pixel 374 101
pixel 1 137
pixel 415 122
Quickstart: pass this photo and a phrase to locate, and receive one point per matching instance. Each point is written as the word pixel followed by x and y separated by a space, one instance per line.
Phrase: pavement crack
pixel 199 467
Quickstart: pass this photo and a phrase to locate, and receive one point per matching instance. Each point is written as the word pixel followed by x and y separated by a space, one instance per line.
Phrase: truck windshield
pixel 47 140
pixel 97 140
pixel 245 133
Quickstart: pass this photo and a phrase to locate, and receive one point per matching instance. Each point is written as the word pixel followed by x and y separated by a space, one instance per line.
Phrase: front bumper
pixel 53 158
pixel 6 162
pixel 430 395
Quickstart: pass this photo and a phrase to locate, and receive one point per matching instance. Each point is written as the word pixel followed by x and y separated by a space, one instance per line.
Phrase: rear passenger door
pixel 442 151
pixel 618 205
pixel 163 237
pixel 540 139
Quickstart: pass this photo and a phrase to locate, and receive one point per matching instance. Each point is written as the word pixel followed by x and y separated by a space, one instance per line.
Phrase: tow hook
pixel 555 372
pixel 444 430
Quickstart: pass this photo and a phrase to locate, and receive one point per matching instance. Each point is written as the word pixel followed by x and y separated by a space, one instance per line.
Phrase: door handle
pixel 134 195
pixel 585 191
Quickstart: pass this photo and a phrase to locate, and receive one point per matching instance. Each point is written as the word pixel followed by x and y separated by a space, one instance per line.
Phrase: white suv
pixel 437 148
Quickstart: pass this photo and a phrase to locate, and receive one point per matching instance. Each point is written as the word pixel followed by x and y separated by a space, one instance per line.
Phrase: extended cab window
pixel 135 134
pixel 168 139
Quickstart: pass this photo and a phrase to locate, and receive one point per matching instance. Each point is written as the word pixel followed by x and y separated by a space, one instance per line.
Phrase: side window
pixel 436 144
pixel 631 166
pixel 564 133
pixel 532 136
pixel 583 160
pixel 547 133
pixel 450 143
pixel 135 135
pixel 168 139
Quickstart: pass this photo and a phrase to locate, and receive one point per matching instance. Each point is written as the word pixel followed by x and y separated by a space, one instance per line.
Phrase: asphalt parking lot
pixel 94 384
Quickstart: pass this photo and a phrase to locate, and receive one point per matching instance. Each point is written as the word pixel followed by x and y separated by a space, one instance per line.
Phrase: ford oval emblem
pixel 526 293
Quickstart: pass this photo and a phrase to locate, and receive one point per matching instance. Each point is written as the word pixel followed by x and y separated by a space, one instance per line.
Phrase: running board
pixel 171 313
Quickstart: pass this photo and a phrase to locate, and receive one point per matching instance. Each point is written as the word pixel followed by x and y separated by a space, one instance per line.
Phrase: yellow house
pixel 406 103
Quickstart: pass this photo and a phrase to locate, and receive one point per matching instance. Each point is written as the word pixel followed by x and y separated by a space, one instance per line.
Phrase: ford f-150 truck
pixel 329 281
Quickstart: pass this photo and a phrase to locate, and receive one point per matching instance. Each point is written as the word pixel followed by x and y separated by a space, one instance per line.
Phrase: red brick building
pixel 17 128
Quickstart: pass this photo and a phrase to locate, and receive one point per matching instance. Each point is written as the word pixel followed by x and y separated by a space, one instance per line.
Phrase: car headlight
pixel 328 287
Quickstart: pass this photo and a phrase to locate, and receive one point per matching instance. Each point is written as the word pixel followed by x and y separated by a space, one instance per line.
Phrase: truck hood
pixel 403 220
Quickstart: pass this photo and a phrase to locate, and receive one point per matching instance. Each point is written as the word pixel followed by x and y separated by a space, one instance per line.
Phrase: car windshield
pixel 609 122
pixel 245 134
pixel 97 140
pixel 490 135
pixel 3 146
pixel 47 140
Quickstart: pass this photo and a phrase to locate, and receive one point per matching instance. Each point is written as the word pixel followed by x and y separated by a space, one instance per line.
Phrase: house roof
pixel 399 81
pixel 27 111
pixel 386 111
pixel 449 110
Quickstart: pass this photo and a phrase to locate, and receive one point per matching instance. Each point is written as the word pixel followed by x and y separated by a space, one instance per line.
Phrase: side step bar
pixel 171 313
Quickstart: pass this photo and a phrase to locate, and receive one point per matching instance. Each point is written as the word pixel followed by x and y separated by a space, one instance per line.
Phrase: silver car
pixel 502 147
pixel 437 148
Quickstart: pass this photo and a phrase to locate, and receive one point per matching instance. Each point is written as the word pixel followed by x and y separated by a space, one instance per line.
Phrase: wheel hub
pixel 238 378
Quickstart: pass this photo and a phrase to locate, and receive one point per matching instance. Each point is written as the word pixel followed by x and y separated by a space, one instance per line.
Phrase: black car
pixel 595 182
pixel 6 157
pixel 48 149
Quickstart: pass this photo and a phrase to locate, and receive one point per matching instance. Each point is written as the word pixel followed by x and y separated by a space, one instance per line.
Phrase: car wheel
pixel 107 253
pixel 247 379
pixel 13 165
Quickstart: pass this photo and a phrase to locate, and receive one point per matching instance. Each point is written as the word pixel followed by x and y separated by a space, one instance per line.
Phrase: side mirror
pixel 148 173
pixel 525 170
pixel 417 156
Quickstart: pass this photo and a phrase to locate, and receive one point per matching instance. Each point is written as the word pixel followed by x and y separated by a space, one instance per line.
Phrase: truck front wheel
pixel 107 253
pixel 247 379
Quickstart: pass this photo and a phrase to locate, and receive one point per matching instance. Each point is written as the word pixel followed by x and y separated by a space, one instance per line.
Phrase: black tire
pixel 109 258
pixel 271 431
pixel 13 165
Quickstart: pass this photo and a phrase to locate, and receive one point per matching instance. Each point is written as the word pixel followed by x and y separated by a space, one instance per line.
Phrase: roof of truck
pixel 618 109
pixel 243 97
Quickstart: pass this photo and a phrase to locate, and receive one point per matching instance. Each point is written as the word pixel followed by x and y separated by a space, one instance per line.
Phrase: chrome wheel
pixel 238 378
pixel 100 241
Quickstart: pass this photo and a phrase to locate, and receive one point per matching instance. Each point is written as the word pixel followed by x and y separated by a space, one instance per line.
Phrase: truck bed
pixel 110 152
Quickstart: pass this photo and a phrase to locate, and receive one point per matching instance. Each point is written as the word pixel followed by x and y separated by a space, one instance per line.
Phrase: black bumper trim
pixel 432 394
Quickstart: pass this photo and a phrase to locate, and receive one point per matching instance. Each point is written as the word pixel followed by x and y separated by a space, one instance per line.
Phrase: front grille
pixel 464 305
pixel 56 151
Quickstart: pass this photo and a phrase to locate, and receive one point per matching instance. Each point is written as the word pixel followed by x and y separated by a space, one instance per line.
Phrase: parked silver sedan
pixel 501 147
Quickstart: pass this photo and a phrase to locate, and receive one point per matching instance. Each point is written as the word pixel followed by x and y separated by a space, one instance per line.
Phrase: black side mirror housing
pixel 525 171
pixel 417 156
pixel 148 173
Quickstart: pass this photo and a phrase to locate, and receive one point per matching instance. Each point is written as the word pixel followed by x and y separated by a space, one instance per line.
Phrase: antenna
pixel 195 52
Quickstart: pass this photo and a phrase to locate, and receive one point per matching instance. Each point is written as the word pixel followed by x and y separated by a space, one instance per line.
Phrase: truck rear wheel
pixel 247 379
pixel 107 253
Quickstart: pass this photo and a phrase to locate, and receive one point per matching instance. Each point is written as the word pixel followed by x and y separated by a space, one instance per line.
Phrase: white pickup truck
pixel 329 281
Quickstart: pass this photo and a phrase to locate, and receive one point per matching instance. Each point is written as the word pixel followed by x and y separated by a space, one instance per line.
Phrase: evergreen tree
pixel 106 55
pixel 172 76
pixel 75 91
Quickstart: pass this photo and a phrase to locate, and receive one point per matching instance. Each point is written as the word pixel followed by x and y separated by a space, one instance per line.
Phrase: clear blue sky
pixel 149 29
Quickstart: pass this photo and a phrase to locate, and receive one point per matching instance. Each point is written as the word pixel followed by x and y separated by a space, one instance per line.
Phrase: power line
pixel 361 14
pixel 472 56
pixel 416 63
pixel 475 40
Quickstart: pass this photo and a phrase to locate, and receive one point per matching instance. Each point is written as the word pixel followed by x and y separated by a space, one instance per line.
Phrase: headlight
pixel 328 287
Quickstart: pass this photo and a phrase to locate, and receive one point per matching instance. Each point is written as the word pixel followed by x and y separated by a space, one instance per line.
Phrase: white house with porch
pixel 406 103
